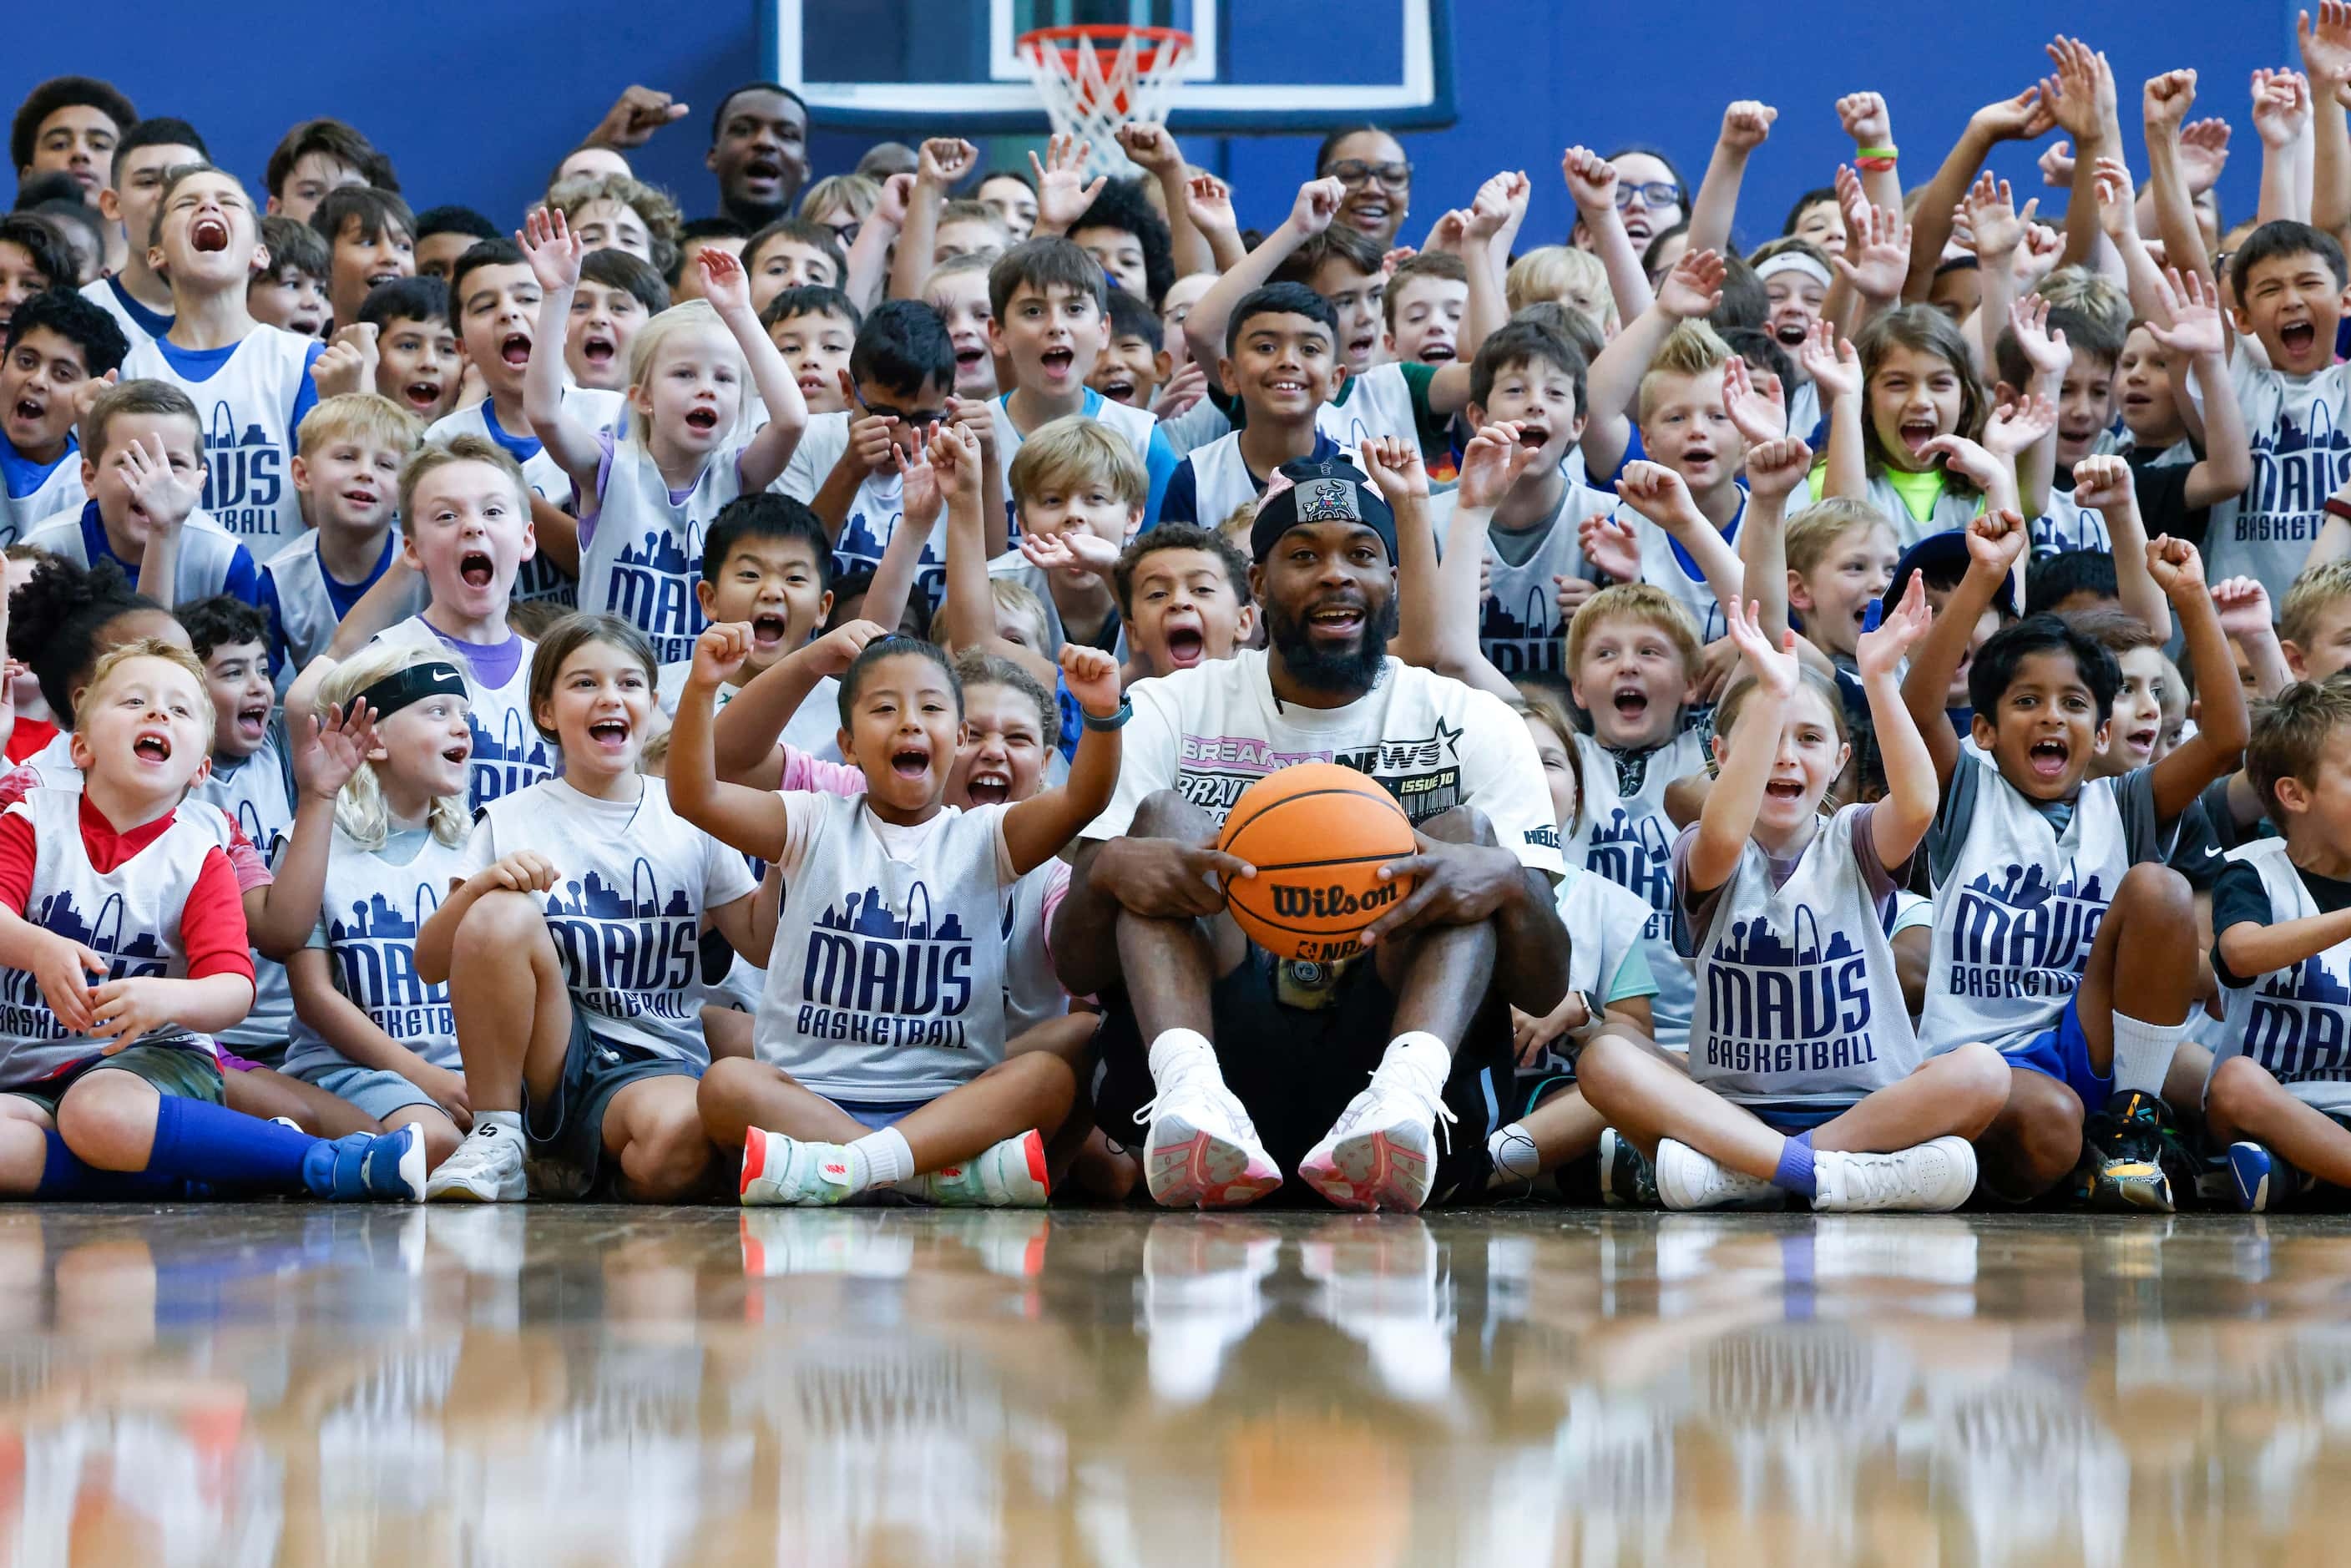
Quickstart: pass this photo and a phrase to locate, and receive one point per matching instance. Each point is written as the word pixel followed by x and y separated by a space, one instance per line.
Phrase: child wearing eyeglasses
pixel 901 376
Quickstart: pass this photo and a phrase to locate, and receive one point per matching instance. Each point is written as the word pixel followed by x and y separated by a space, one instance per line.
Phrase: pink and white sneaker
pixel 1203 1150
pixel 1381 1152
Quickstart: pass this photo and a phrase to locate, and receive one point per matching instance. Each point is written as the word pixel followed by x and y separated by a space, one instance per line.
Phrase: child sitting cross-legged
pixel 858 1086
pixel 124 946
pixel 1827 1096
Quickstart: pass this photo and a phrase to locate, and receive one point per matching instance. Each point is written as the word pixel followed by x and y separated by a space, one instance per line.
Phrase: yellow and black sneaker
pixel 2127 1156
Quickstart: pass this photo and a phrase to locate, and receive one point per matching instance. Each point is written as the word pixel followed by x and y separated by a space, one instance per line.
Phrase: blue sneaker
pixel 365 1166
pixel 2264 1181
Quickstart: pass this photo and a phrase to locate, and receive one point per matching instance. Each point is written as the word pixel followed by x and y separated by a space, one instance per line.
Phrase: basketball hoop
pixel 1096 78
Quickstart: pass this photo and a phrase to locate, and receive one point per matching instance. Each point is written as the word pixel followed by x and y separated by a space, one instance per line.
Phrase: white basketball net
pixel 1092 86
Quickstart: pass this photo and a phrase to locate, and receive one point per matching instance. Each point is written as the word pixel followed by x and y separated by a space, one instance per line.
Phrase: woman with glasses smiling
pixel 1371 164
pixel 1651 196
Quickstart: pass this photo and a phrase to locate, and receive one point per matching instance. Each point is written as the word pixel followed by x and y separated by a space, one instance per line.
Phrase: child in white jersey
pixel 900 376
pixel 348 470
pixel 646 497
pixel 1908 379
pixel 1803 1076
pixel 2054 911
pixel 251 382
pixel 494 308
pixel 765 562
pixel 1282 364
pixel 58 349
pixel 594 889
pixel 1609 983
pixel 468 531
pixel 862 1081
pixel 126 880
pixel 2279 1094
pixel 367 1026
pixel 142 467
pixel 2289 282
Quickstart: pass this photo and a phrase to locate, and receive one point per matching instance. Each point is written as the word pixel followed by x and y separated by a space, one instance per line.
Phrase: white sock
pixel 505 1121
pixel 1423 1051
pixel 1179 1051
pixel 1512 1152
pixel 880 1159
pixel 2143 1053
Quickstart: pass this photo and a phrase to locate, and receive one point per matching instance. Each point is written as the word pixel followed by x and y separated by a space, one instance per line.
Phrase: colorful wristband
pixel 2338 507
pixel 1888 153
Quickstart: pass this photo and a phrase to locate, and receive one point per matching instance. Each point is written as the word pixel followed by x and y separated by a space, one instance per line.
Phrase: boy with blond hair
pixel 1080 495
pixel 349 453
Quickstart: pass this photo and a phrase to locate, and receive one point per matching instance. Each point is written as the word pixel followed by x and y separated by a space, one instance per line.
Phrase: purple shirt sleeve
pixel 589 513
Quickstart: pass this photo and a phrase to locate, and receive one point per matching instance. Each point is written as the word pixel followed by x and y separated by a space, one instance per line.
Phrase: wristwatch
pixel 1592 1017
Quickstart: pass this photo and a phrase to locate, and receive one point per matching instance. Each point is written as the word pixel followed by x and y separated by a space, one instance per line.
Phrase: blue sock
pixel 64 1174
pixel 1796 1172
pixel 214 1143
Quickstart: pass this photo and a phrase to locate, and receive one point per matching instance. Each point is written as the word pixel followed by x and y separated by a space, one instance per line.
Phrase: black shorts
pixel 1294 1069
pixel 564 1138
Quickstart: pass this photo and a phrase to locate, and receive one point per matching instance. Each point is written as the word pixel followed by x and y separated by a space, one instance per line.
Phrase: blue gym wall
pixel 476 99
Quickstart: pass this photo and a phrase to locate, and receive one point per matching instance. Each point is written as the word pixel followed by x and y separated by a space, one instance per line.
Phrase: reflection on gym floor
pixel 544 1385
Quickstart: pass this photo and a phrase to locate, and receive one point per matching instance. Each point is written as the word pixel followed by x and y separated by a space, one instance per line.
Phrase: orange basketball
pixel 1318 834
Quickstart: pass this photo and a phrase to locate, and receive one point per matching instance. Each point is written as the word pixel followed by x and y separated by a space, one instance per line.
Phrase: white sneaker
pixel 1932 1178
pixel 1381 1154
pixel 487 1167
pixel 1010 1174
pixel 1688 1179
pixel 780 1170
pixel 1203 1150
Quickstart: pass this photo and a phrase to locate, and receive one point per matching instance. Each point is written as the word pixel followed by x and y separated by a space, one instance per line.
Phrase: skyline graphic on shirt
pixel 2309 981
pixel 380 920
pixel 2028 887
pixel 1754 944
pixel 659 551
pixel 869 914
pixel 59 914
pixel 593 898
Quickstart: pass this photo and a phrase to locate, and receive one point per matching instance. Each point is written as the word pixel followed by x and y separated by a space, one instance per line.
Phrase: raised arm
pixel 1208 204
pixel 2000 230
pixel 745 746
pixel 1774 469
pixel 1748 755
pixel 1872 271
pixel 2243 605
pixel 970 604
pixel 1310 213
pixel 728 288
pixel 553 252
pixel 1443 602
pixel 1150 148
pixel 2164 104
pixel 1661 495
pixel 2326 60
pixel 2117 214
pixel 866 267
pixel 2282 118
pixel 1613 385
pixel 752 821
pixel 1996 540
pixel 2222 725
pixel 1835 369
pixel 168 499
pixel 2023 117
pixel 1484 311
pixel 328 749
pixel 1037 829
pixel 2191 307
pixel 1870 123
pixel 1908 807
pixel 2050 356
pixel 2104 485
pixel 1592 185
pixel 941 164
pixel 2082 97
pixel 1746 125
pixel 1062 194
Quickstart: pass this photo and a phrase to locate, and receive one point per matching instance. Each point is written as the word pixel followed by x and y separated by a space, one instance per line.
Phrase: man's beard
pixel 1324 669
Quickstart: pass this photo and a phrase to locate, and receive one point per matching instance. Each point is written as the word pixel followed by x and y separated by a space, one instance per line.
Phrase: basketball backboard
pixel 1257 65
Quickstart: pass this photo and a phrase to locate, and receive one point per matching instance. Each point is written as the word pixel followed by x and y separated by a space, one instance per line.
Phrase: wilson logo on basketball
pixel 1330 903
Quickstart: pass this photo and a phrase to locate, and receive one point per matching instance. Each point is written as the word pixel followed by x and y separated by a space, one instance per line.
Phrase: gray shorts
pixel 377 1091
pixel 565 1136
